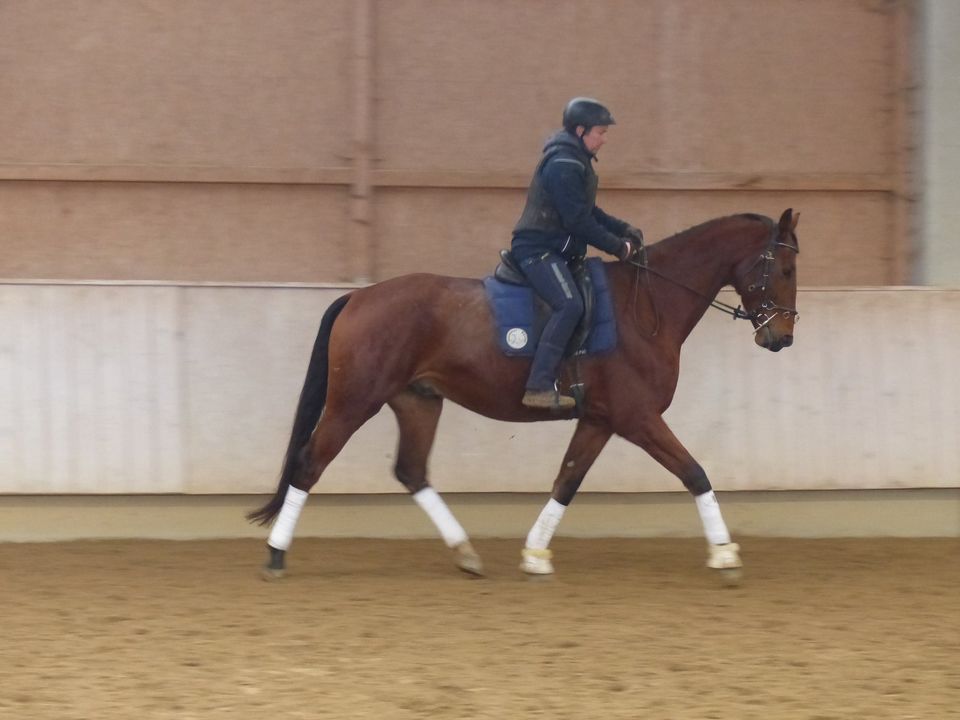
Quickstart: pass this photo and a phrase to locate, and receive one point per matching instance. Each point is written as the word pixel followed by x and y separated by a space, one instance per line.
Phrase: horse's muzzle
pixel 765 339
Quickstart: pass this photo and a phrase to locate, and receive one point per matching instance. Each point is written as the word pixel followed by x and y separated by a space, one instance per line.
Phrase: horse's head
pixel 768 286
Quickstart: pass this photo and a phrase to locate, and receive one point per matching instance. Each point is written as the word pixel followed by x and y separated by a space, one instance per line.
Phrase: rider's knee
pixel 573 307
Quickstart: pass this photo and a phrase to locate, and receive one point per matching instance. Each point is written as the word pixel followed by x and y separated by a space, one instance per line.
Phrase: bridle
pixel 767 310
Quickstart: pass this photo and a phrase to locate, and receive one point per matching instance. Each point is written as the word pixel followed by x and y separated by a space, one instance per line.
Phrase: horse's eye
pixel 788 273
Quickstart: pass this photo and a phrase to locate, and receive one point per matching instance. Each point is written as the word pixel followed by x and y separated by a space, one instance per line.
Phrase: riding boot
pixel 551 399
pixel 542 389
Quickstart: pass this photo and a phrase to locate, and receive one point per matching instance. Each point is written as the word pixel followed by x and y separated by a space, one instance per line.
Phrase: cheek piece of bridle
pixel 766 310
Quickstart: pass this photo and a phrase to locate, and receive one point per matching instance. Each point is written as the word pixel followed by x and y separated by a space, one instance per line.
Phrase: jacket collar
pixel 562 138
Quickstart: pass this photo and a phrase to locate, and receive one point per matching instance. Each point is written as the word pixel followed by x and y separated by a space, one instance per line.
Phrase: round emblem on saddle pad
pixel 517 338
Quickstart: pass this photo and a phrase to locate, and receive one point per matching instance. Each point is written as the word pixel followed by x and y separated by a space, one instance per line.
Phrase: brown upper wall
pixel 739 86
pixel 325 141
pixel 243 83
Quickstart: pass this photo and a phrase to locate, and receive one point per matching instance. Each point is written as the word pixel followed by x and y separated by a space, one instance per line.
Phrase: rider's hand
pixel 632 251
pixel 635 234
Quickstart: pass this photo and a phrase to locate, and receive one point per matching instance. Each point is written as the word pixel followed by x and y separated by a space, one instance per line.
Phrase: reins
pixel 653 297
pixel 760 317
pixel 737 313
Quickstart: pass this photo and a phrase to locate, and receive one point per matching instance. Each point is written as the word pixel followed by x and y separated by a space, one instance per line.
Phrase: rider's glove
pixel 635 234
pixel 632 251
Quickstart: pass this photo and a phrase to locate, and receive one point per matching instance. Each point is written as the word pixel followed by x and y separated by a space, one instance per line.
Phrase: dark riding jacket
pixel 561 214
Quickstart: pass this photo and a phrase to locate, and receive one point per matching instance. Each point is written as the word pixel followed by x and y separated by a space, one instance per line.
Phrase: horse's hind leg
pixel 332 432
pixel 585 445
pixel 418 414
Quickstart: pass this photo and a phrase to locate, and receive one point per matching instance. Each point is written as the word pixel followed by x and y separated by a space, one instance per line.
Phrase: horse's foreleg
pixel 417 417
pixel 587 442
pixel 658 440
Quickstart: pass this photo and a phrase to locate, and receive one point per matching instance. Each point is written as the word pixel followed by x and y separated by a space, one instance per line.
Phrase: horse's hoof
pixel 536 561
pixel 271 574
pixel 731 577
pixel 275 567
pixel 467 559
pixel 726 559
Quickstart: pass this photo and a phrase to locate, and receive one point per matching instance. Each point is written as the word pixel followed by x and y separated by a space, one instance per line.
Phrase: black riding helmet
pixel 587 112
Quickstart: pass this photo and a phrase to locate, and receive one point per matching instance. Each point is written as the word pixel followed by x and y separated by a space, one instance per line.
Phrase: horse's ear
pixel 788 221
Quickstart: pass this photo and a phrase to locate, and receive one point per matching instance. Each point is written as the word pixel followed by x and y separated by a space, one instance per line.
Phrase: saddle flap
pixel 513 316
pixel 519 315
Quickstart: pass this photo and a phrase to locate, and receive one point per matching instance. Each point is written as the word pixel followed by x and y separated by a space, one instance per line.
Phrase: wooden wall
pixel 130 388
pixel 291 141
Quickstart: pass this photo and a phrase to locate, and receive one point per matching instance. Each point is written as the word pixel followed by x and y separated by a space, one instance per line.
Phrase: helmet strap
pixel 586 129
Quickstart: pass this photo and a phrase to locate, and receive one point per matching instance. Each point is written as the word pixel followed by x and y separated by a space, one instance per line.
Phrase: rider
pixel 558 222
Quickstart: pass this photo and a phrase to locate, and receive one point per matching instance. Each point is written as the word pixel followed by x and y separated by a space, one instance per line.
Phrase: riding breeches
pixel 551 279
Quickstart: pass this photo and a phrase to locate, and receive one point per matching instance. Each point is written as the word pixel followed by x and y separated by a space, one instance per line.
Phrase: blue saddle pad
pixel 515 318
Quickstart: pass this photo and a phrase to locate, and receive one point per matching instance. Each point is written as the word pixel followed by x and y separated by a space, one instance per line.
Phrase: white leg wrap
pixel 281 535
pixel 433 505
pixel 543 529
pixel 713 526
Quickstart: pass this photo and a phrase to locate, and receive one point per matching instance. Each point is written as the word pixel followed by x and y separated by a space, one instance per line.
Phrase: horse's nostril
pixel 787 340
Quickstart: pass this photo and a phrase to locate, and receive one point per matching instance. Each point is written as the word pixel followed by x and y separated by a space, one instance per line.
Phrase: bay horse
pixel 413 341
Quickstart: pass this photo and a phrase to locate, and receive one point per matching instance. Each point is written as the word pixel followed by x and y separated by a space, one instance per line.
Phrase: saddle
pixel 520 314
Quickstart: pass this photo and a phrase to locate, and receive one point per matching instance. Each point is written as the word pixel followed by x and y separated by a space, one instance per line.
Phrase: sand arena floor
pixel 390 629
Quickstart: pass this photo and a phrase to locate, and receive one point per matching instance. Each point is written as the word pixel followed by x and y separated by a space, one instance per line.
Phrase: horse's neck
pixel 703 260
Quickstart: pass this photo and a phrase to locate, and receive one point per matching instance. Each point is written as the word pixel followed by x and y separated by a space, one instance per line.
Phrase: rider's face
pixel 595 138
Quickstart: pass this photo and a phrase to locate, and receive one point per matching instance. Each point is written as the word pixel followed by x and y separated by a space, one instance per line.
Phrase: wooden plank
pixel 93 395
pixel 903 80
pixel 77 172
pixel 362 257
pixel 827 182
pixel 398 178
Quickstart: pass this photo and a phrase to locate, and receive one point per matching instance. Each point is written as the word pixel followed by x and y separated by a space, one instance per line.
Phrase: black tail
pixel 312 399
